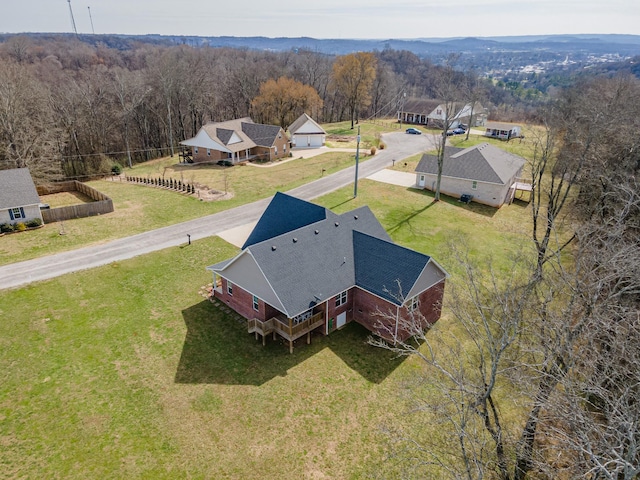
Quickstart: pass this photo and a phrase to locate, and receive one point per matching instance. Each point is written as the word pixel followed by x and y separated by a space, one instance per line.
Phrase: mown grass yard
pixel 127 371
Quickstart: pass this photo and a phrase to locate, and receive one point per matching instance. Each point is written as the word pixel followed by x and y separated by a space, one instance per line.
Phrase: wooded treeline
pixel 69 109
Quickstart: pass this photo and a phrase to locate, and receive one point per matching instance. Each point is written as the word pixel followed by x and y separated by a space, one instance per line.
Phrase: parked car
pixel 459 131
pixel 413 131
pixel 449 133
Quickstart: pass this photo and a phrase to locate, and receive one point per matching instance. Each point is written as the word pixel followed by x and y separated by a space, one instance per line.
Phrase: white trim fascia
pixel 269 283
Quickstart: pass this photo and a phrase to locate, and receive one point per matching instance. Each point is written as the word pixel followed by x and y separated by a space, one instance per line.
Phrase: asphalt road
pixel 399 146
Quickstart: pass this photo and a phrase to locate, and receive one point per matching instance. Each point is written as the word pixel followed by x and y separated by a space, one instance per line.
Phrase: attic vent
pixel 273 248
pixel 337 223
pixel 355 216
pixel 316 232
pixel 295 239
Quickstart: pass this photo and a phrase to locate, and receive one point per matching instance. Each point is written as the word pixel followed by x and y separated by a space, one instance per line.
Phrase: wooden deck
pixel 286 328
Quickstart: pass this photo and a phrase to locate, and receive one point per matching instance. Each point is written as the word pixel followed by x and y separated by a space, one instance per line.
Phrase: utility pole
pixel 91 19
pixel 73 22
pixel 404 95
pixel 355 184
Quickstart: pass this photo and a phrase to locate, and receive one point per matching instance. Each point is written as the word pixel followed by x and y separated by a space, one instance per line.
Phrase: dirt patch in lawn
pixel 65 199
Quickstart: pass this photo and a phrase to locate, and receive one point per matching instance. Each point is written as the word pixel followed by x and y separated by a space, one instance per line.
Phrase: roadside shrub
pixel 116 169
pixel 373 150
pixel 20 227
pixel 6 228
pixel 33 223
pixel 382 146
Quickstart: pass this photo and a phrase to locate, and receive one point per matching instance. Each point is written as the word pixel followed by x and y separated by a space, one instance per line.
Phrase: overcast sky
pixel 378 19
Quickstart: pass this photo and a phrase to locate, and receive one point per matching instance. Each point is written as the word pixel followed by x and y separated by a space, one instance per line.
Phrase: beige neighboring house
pixel 485 173
pixel 238 141
pixel 19 200
pixel 305 132
pixel 416 111
pixel 462 116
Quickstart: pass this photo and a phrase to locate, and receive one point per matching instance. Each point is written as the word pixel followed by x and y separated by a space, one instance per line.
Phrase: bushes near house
pixel 20 226
pixel 33 223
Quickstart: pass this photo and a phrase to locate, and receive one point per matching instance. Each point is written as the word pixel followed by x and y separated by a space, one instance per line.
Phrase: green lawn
pixel 127 371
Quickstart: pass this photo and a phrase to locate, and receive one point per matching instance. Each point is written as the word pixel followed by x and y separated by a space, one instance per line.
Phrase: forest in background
pixel 70 109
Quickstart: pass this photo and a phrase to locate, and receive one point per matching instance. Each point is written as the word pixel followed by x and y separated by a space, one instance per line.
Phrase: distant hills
pixel 494 56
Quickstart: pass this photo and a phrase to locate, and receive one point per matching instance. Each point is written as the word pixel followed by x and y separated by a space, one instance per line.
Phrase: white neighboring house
pixel 306 133
pixel 19 200
pixel 485 172
pixel 503 131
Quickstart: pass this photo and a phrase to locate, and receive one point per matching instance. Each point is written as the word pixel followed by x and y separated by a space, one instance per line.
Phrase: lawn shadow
pixel 218 350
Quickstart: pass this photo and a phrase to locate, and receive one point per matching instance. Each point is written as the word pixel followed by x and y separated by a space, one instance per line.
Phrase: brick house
pixel 305 268
pixel 238 141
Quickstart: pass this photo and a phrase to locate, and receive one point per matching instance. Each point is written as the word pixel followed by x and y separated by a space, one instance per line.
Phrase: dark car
pixel 459 131
pixel 413 131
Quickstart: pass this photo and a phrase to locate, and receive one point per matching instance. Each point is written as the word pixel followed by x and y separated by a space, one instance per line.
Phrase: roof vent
pixel 273 248
pixel 337 223
pixel 295 239
pixel 316 232
pixel 355 216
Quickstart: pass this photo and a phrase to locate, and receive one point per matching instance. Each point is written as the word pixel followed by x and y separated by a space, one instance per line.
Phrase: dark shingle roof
pixel 420 106
pixel 17 188
pixel 262 135
pixel 483 162
pixel 224 134
pixel 316 262
pixel 386 269
pixel 283 214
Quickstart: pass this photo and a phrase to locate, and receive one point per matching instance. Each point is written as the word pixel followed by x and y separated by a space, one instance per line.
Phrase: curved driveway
pixel 399 146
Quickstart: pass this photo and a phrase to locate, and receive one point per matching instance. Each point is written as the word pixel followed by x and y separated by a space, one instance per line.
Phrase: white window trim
pixel 256 303
pixel 17 213
pixel 341 298
pixel 474 185
pixel 208 152
pixel 413 304
pixel 229 288
pixel 195 149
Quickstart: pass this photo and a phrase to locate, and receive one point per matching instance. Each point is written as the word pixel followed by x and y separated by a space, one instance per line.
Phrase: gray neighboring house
pixel 305 132
pixel 487 173
pixel 19 200
pixel 305 268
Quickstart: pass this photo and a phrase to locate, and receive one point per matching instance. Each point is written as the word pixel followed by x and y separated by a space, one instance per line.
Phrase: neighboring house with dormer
pixel 305 268
pixel 486 173
pixel 470 117
pixel 305 132
pixel 238 141
pixel 19 200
